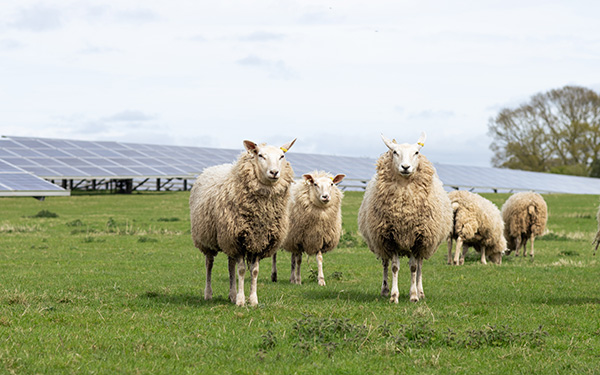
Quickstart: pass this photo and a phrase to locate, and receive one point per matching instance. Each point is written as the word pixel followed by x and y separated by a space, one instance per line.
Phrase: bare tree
pixel 556 131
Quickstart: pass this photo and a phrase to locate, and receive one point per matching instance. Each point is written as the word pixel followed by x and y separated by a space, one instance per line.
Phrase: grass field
pixel 113 285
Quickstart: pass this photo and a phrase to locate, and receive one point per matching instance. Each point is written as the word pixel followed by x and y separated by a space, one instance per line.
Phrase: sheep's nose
pixel 405 167
pixel 325 197
pixel 274 173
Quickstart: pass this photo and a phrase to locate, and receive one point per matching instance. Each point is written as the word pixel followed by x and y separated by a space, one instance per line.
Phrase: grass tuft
pixel 45 214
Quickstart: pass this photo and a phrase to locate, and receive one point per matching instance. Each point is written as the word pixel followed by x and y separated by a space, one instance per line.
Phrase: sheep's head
pixel 269 160
pixel 320 187
pixel 405 156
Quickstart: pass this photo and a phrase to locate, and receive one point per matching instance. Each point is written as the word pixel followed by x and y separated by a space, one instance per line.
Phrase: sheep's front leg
pixel 240 299
pixel 531 239
pixel 450 249
pixel 385 289
pixel 483 261
pixel 465 250
pixel 321 276
pixel 231 262
pixel 298 265
pixel 253 283
pixel 414 267
pixel 420 278
pixel 459 245
pixel 517 245
pixel 274 269
pixel 395 268
pixel 210 260
pixel 293 269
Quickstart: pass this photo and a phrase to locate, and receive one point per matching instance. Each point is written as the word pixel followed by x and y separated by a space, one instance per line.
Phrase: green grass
pixel 113 284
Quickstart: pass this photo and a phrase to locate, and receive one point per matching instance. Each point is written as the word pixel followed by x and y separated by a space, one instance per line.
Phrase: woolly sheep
pixel 525 215
pixel 478 224
pixel 597 239
pixel 405 212
pixel 241 210
pixel 315 221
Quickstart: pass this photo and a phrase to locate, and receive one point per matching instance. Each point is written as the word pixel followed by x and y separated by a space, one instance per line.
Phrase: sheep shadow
pixel 184 299
pixel 568 301
pixel 324 294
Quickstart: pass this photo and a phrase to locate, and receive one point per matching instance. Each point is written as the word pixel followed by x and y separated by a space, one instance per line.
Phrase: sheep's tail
pixel 531 210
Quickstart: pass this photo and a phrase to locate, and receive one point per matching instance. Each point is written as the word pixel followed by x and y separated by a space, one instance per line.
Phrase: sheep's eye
pixel 281 157
pixel 417 153
pixel 315 184
pixel 261 156
pixel 395 152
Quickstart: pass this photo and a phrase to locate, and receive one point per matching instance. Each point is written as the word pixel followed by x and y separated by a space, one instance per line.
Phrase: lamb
pixel 478 224
pixel 315 221
pixel 405 212
pixel 597 239
pixel 525 215
pixel 241 210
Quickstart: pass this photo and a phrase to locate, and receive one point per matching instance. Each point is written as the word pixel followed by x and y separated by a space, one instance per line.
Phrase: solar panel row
pixel 86 160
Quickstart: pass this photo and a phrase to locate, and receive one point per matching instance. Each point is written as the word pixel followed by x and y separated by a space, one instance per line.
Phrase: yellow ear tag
pixel 420 144
pixel 331 178
pixel 283 149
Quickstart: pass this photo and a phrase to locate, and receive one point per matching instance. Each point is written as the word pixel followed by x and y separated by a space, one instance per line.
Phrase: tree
pixel 557 131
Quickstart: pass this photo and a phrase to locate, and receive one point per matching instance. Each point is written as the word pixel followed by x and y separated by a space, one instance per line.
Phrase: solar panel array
pixel 59 159
pixel 15 181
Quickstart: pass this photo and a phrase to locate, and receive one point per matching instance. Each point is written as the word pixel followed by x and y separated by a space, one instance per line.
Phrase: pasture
pixel 111 284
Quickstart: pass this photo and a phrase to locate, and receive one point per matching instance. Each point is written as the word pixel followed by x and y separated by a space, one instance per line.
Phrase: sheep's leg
pixel 420 278
pixel 395 268
pixel 274 269
pixel 321 276
pixel 254 261
pixel 231 263
pixel 293 269
pixel 385 288
pixel 450 249
pixel 465 250
pixel 524 244
pixel 483 261
pixel 208 292
pixel 517 245
pixel 240 299
pixel 414 267
pixel 298 264
pixel 459 245
pixel 531 239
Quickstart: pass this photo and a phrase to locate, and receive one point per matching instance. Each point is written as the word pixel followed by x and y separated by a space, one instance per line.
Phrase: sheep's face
pixel 495 258
pixel 405 156
pixel 269 160
pixel 320 188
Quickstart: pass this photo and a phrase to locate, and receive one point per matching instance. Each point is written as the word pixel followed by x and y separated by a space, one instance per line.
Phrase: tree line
pixel 557 131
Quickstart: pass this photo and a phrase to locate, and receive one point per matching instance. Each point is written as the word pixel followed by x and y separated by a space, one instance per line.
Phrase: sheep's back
pixel 518 220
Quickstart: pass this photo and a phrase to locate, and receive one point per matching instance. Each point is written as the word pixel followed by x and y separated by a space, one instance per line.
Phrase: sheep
pixel 478 224
pixel 315 221
pixel 597 239
pixel 405 212
pixel 241 210
pixel 525 215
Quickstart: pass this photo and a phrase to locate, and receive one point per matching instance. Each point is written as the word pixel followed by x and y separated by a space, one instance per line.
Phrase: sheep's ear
pixel 309 178
pixel 387 142
pixel 338 178
pixel 422 139
pixel 251 146
pixel 287 146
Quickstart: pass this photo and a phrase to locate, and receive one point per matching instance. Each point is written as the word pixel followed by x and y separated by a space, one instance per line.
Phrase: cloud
pixel 275 69
pixel 136 16
pixel 10 44
pixel 432 114
pixel 93 49
pixel 261 36
pixel 130 116
pixel 38 18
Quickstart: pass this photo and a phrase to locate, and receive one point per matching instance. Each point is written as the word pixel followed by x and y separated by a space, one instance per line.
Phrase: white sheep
pixel 241 210
pixel 478 224
pixel 525 215
pixel 315 222
pixel 597 239
pixel 405 212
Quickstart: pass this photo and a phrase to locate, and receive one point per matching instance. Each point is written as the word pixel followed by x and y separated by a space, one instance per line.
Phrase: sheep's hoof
pixel 322 282
pixel 208 295
pixel 232 297
pixel 240 300
pixel 385 291
pixel 394 298
pixel 253 301
pixel 274 277
pixel 421 295
pixel 414 298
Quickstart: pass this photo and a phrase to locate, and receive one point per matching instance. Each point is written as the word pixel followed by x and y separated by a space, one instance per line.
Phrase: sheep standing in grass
pixel 241 210
pixel 315 221
pixel 597 239
pixel 478 224
pixel 525 215
pixel 405 212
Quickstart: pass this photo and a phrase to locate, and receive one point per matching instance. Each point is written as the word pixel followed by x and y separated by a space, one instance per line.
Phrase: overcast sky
pixel 335 74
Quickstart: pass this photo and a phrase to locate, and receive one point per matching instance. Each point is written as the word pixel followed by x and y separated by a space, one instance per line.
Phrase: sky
pixel 335 74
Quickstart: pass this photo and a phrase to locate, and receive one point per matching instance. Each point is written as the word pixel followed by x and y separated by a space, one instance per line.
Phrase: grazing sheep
pixel 405 212
pixel 597 239
pixel 478 224
pixel 241 210
pixel 525 215
pixel 315 221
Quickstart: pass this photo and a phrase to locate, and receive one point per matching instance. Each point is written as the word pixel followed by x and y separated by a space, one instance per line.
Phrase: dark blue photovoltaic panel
pixel 6 167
